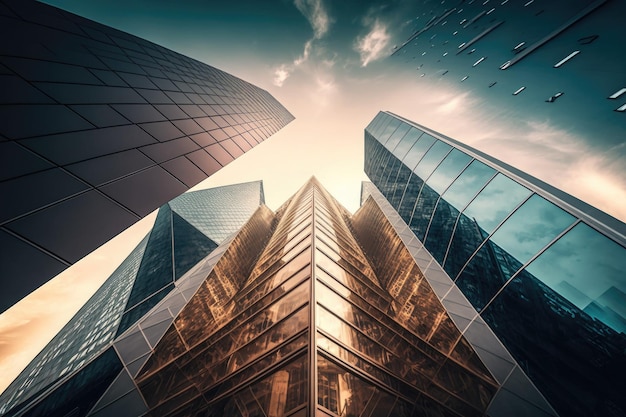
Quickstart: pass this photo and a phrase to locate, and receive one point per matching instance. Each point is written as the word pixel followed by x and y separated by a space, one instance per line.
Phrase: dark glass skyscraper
pixel 535 60
pixel 186 230
pixel 542 269
pixel 97 129
pixel 309 311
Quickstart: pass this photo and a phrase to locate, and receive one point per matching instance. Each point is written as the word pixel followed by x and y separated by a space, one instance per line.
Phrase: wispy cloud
pixel 316 14
pixel 371 47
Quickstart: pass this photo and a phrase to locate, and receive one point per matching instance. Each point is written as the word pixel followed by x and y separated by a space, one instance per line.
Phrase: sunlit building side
pixel 542 269
pixel 98 128
pixel 308 311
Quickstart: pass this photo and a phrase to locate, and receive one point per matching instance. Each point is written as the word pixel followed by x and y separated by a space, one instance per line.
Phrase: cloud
pixel 280 75
pixel 315 13
pixel 371 47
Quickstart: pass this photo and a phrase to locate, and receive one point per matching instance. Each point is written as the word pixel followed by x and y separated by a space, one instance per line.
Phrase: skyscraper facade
pixel 186 230
pixel 308 311
pixel 525 59
pixel 97 129
pixel 543 270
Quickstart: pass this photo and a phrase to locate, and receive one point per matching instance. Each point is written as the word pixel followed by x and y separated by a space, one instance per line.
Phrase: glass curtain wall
pixel 547 278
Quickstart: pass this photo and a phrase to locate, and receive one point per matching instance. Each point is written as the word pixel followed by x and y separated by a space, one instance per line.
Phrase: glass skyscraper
pixel 542 269
pixel 308 311
pixel 525 59
pixel 186 230
pixel 98 128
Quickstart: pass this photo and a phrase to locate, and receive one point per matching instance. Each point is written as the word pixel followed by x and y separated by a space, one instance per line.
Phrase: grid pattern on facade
pixel 146 277
pixel 98 129
pixel 521 257
pixel 289 318
pixel 547 60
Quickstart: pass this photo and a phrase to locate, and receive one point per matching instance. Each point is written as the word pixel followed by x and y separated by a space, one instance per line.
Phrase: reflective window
pixel 423 211
pixel 397 136
pixel 474 225
pixel 384 121
pixel 388 130
pixel 495 202
pixel 432 158
pixel 407 142
pixel 400 185
pixel 531 227
pixel 418 150
pixel 465 187
pixel 587 268
pixel 448 170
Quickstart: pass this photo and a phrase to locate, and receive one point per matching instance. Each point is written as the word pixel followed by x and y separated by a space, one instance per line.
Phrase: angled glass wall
pixel 544 270
pixel 308 311
pixel 186 230
pixel 99 128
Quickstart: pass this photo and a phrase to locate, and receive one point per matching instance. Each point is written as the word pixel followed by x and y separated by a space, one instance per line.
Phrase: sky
pixel 328 62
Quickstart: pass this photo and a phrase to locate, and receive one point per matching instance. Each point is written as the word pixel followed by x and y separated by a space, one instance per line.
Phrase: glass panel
pixel 483 214
pixel 397 136
pixel 423 211
pixel 399 185
pixel 465 187
pixel 531 227
pixel 448 170
pixel 536 223
pixel 563 351
pixel 411 192
pixel 385 120
pixel 587 268
pixel 418 150
pixel 495 202
pixel 388 130
pixel 407 142
pixel 432 158
pixel 274 396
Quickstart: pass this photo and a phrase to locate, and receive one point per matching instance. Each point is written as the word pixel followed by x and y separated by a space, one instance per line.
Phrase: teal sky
pixel 328 62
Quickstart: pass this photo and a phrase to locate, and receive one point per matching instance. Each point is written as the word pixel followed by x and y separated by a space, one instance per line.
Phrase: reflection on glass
pixel 407 142
pixel 448 170
pixel 341 392
pixel 587 268
pixel 551 337
pixel 530 228
pixel 533 225
pixel 397 136
pixel 418 150
pixel 495 202
pixel 274 396
pixel 432 158
pixel 465 187
pixel 388 130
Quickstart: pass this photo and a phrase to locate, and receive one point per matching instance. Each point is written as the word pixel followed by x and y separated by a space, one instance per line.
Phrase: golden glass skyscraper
pixel 308 311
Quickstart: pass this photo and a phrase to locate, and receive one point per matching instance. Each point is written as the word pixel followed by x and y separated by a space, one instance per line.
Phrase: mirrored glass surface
pixel 535 224
pixel 448 170
pixel 465 187
pixel 587 268
pixel 418 150
pixel 397 136
pixel 388 130
pixel 495 202
pixel 407 142
pixel 432 158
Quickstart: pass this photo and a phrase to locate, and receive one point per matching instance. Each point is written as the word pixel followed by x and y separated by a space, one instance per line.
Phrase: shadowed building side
pixel 98 128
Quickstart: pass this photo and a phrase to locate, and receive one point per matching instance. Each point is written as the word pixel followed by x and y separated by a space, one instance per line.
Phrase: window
pixel 567 58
